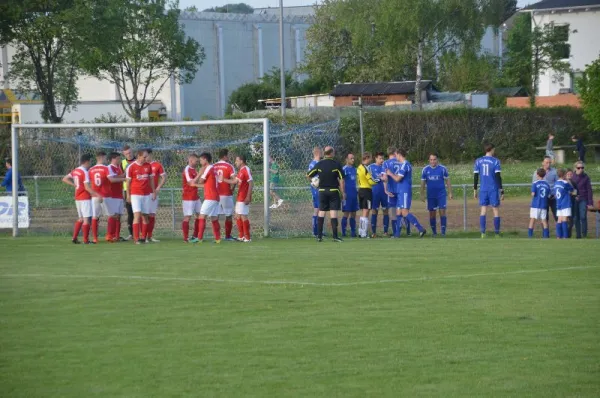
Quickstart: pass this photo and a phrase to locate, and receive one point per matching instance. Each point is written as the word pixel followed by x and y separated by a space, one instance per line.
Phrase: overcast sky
pixel 204 4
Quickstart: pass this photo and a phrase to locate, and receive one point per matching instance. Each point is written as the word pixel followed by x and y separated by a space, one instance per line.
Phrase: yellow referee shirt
pixel 365 179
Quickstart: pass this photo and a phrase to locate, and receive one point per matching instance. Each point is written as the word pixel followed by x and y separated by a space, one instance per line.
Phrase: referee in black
pixel 331 191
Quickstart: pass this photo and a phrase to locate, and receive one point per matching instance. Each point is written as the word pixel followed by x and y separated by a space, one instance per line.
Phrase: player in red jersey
pixel 244 197
pixel 114 202
pixel 160 177
pixel 225 185
pixel 190 200
pixel 210 206
pixel 80 179
pixel 101 178
pixel 140 191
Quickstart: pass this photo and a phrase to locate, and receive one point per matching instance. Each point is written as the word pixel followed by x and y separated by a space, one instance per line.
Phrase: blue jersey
pixel 405 184
pixel 562 192
pixel 349 173
pixel 540 190
pixel 435 179
pixel 312 165
pixel 487 167
pixel 377 171
pixel 394 166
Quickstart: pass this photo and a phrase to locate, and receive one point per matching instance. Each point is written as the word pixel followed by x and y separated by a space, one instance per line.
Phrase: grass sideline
pixel 510 317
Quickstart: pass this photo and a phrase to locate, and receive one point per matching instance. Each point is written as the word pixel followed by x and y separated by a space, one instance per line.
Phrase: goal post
pixel 31 133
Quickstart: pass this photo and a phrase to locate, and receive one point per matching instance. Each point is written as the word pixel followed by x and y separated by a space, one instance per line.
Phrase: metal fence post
pixel 37 191
pixel 464 187
pixel 173 209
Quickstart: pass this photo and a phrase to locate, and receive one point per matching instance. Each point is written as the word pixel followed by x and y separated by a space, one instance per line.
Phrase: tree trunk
pixel 418 90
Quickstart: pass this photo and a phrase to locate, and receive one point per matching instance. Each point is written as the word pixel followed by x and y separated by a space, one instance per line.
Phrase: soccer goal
pixel 278 157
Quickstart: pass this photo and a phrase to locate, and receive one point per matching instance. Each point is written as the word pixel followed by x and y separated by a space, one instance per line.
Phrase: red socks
pixel 201 228
pixel 228 228
pixel 240 225
pixel 196 227
pixel 110 227
pixel 86 233
pixel 95 229
pixel 216 229
pixel 77 228
pixel 152 220
pixel 117 228
pixel 144 230
pixel 136 232
pixel 185 227
pixel 247 229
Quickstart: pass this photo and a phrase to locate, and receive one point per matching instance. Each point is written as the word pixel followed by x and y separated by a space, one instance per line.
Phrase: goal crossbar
pixel 15 152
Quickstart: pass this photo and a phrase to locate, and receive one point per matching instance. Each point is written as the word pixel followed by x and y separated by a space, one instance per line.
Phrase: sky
pixel 204 4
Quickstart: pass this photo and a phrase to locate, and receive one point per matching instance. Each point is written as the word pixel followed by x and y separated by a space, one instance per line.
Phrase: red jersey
pixel 211 191
pixel 80 176
pixel 140 175
pixel 99 179
pixel 116 188
pixel 244 177
pixel 224 170
pixel 189 192
pixel 157 170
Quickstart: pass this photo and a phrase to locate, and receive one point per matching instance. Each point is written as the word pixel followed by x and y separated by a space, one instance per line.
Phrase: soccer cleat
pixel 217 241
pixel 95 241
pixel 482 236
pixel 247 240
pixel 194 240
pixel 127 238
pixel 498 236
pixel 154 240
pixel 337 240
pixel 138 242
pixel 319 239
pixel 122 239
pixel 89 243
pixel 230 239
pixel 422 233
pixel 76 242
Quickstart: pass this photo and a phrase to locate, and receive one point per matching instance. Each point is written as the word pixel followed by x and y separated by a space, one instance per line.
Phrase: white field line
pixel 294 283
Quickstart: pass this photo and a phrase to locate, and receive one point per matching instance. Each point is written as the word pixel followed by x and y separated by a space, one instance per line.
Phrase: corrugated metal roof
pixel 553 4
pixel 387 88
pixel 510 91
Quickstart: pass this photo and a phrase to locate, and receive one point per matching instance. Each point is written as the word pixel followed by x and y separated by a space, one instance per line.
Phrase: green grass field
pixel 292 318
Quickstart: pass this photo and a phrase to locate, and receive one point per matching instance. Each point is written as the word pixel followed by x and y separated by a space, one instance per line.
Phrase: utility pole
pixel 281 61
pixel 360 119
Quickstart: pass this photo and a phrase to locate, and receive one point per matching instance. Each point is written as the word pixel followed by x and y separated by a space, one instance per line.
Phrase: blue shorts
pixel 392 201
pixel 438 203
pixel 404 200
pixel 315 197
pixel 380 199
pixel 350 204
pixel 489 198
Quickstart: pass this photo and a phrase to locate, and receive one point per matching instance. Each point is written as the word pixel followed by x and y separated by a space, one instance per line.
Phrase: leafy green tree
pixel 467 72
pixel 139 45
pixel 41 31
pixel 589 90
pixel 237 8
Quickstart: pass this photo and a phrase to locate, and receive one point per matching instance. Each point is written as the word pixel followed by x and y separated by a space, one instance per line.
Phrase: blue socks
pixel 374 223
pixel 546 233
pixel 394 222
pixel 344 225
pixel 413 220
pixel 407 226
pixel 353 227
pixel 386 223
pixel 530 232
pixel 433 225
pixel 398 229
pixel 482 223
pixel 565 229
pixel 315 225
pixel 497 225
pixel 443 222
pixel 559 230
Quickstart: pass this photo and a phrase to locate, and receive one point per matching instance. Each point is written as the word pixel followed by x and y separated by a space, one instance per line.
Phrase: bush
pixel 458 135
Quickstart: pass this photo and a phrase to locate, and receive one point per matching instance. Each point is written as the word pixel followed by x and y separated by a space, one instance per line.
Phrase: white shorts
pixel 564 213
pixel 226 205
pixel 153 205
pixel 210 208
pixel 99 208
pixel 114 206
pixel 242 209
pixel 84 208
pixel 191 207
pixel 141 203
pixel 538 214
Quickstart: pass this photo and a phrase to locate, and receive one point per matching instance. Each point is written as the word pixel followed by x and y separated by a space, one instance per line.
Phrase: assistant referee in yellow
pixel 365 193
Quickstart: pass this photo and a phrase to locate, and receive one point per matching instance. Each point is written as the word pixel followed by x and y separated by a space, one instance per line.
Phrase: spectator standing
pixel 7 181
pixel 569 178
pixel 550 147
pixel 584 199
pixel 579 148
pixel 551 179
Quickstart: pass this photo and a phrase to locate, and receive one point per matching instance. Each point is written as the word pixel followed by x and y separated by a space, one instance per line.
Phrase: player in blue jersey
pixel 392 165
pixel 380 198
pixel 317 155
pixel 404 194
pixel 487 169
pixel 540 191
pixel 563 192
pixel 350 205
pixel 435 179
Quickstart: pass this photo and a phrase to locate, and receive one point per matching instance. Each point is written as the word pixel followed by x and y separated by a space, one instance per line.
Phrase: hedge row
pixel 458 135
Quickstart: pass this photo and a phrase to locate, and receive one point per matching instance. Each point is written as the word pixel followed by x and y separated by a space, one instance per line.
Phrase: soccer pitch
pixel 284 318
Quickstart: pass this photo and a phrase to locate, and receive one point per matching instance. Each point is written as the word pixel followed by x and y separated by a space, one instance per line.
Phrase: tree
pixel 533 51
pixel 589 90
pixel 138 45
pixel 239 8
pixel 467 72
pixel 41 31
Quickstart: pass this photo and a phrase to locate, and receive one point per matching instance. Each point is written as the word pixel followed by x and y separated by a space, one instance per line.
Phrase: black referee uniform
pixel 330 196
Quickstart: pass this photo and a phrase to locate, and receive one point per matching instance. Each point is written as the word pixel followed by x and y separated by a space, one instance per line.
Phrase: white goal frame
pixel 15 153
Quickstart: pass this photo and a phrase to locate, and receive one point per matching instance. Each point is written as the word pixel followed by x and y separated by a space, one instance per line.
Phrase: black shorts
pixel 329 199
pixel 365 198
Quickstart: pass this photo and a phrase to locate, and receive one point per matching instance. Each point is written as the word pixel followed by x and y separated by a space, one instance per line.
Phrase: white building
pixel 581 22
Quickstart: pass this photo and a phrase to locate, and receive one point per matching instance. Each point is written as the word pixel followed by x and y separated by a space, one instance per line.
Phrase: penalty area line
pixel 295 283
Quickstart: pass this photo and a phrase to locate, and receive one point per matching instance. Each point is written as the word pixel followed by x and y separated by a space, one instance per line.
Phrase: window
pixel 562 48
pixel 574 77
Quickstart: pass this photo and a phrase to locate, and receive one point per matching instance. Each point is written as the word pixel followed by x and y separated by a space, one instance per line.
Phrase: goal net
pixel 278 156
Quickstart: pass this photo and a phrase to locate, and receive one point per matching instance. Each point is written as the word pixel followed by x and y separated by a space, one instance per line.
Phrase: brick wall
pixel 555 100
